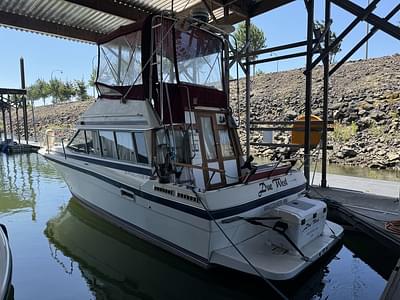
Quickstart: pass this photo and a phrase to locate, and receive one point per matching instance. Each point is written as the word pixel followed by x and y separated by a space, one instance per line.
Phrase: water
pixel 63 251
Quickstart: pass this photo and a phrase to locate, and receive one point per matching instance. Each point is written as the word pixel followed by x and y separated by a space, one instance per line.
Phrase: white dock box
pixel 305 219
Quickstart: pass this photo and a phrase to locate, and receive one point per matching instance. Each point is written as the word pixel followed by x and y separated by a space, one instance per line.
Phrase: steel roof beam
pixel 120 8
pixel 363 41
pixel 5 91
pixel 35 25
pixel 263 6
pixel 373 19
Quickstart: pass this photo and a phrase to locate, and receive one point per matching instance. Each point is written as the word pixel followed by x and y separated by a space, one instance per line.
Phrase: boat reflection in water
pixel 117 265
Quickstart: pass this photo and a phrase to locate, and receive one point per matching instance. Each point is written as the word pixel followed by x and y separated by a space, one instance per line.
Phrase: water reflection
pixel 63 251
pixel 20 177
pixel 117 265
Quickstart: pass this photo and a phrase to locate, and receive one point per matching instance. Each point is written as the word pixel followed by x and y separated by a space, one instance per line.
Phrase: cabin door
pixel 217 150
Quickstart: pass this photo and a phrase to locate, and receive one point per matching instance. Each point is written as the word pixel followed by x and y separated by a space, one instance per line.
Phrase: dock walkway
pixel 392 290
pixel 370 206
pixel 366 204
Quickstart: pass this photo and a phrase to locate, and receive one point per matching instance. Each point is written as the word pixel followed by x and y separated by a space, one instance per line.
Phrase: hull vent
pixel 187 197
pixel 163 190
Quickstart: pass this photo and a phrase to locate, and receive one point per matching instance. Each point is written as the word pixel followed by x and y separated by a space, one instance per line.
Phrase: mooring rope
pixel 393 226
pixel 268 282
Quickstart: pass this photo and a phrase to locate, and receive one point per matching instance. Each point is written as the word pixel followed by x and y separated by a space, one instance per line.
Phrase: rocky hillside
pixel 364 104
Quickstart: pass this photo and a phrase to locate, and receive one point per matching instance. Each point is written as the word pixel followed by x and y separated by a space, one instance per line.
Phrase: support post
pixel 10 118
pixel 326 96
pixel 226 58
pixel 307 127
pixel 24 107
pixel 4 122
pixel 33 121
pixel 247 64
pixel 17 115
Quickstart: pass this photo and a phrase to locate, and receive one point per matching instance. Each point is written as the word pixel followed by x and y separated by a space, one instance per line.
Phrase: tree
pixel 67 91
pixel 80 90
pixel 93 77
pixel 55 88
pixel 320 25
pixel 92 81
pixel 39 90
pixel 257 40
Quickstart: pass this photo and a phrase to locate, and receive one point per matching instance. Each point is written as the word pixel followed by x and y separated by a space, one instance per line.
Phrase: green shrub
pixel 343 133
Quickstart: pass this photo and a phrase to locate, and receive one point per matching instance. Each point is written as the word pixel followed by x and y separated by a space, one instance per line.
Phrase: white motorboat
pixel 158 154
pixel 5 264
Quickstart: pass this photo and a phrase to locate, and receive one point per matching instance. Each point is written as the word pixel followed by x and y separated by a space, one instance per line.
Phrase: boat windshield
pixel 120 63
pixel 198 55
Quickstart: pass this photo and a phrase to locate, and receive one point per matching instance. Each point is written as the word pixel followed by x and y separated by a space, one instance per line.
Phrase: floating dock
pixel 14 148
pixel 392 290
pixel 370 206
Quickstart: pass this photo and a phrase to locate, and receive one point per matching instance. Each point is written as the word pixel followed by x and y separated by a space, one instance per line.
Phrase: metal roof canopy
pixel 88 20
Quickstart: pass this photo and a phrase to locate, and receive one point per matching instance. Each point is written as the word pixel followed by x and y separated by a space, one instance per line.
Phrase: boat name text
pixel 276 183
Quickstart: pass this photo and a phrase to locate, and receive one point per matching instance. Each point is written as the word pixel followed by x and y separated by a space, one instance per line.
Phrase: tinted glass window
pixel 108 144
pixel 141 148
pixel 78 143
pixel 125 146
pixel 92 139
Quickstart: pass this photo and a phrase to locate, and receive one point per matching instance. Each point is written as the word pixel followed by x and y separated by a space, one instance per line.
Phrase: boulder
pixel 393 156
pixel 348 152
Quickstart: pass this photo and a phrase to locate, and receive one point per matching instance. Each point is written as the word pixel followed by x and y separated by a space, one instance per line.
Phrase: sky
pixel 47 57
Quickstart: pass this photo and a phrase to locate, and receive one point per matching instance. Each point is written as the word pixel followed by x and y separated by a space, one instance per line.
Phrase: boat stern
pixel 273 261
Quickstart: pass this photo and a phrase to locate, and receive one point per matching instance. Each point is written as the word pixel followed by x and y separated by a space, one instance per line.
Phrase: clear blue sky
pixel 43 55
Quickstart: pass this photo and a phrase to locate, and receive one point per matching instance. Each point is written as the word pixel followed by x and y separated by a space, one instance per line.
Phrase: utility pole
pixel 24 107
pixel 366 44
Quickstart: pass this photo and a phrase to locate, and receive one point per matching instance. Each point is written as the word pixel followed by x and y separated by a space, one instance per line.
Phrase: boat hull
pixel 5 264
pixel 187 230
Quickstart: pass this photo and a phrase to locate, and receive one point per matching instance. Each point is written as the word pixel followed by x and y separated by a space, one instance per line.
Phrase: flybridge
pixel 168 64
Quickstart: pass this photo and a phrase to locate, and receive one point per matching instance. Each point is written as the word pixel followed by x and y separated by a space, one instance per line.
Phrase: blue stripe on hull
pixel 216 214
pixel 145 235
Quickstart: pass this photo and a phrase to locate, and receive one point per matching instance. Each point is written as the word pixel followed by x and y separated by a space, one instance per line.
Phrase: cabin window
pixel 121 61
pixel 78 143
pixel 225 142
pixel 199 58
pixel 141 148
pixel 92 142
pixel 125 146
pixel 208 137
pixel 168 140
pixel 108 148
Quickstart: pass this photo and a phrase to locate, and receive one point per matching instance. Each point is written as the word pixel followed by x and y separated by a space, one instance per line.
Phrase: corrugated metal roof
pixel 59 12
pixel 89 19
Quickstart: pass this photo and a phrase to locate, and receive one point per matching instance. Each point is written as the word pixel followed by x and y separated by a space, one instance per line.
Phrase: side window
pixel 78 143
pixel 92 140
pixel 125 146
pixel 141 147
pixel 108 144
pixel 225 142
